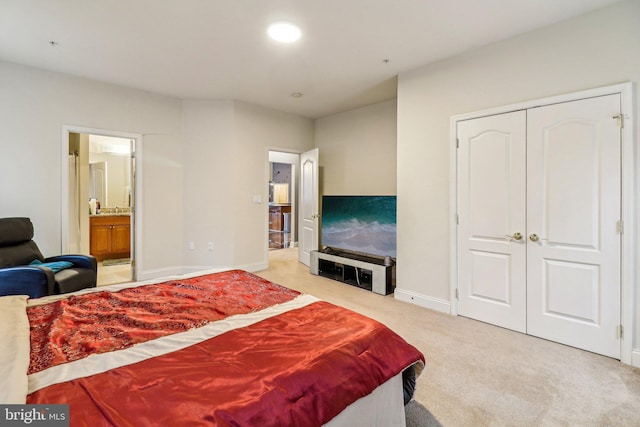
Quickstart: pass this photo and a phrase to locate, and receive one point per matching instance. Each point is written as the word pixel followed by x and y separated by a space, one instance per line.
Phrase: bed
pixel 226 348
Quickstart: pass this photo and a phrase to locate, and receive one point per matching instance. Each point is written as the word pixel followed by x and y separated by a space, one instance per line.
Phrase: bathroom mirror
pixel 110 174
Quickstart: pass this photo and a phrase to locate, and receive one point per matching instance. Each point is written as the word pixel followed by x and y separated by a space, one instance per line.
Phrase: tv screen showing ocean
pixel 364 224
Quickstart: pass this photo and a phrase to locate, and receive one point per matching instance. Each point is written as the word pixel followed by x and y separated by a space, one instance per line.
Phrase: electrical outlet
pixel 210 246
pixel 192 246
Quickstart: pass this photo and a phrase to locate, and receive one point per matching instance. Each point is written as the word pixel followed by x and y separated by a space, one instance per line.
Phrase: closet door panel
pixel 573 208
pixel 571 183
pixel 491 210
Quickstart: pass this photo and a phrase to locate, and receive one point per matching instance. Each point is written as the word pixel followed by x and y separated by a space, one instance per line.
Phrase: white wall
pixel 596 49
pixel 34 106
pixel 208 151
pixel 226 150
pixel 198 191
pixel 358 151
pixel 257 130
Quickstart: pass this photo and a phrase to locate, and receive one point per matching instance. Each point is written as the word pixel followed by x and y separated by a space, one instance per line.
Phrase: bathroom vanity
pixel 110 236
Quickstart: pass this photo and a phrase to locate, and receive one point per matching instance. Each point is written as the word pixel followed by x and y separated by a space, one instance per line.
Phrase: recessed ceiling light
pixel 296 95
pixel 284 32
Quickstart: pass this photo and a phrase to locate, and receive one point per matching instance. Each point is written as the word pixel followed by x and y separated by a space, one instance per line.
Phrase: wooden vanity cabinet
pixel 276 225
pixel 110 236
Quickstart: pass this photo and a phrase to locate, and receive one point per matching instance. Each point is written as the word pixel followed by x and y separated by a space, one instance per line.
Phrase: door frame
pixel 294 194
pixel 136 178
pixel 292 158
pixel 629 211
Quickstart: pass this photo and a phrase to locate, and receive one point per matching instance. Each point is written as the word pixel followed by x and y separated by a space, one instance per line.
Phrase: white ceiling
pixel 218 49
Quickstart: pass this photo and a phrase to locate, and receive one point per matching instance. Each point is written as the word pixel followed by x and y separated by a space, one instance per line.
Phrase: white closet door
pixel 573 209
pixel 491 208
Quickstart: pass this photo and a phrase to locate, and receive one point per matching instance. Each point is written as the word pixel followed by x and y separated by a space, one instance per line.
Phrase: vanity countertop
pixel 112 214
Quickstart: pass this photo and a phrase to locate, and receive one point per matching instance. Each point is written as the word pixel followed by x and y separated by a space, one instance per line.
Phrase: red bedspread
pixel 73 328
pixel 301 367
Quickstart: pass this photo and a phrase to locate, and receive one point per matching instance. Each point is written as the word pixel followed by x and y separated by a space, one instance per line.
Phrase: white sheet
pixel 384 407
pixel 14 352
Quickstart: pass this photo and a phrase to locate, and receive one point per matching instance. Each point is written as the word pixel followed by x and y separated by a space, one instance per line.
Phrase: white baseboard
pixel 635 358
pixel 423 300
pixel 252 268
pixel 157 273
pixel 190 269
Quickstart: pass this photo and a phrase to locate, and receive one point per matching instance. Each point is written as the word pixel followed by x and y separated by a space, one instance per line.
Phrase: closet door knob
pixel 534 237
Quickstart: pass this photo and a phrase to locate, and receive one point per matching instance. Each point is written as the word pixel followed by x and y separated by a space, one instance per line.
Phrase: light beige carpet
pixel 482 375
pixel 118 261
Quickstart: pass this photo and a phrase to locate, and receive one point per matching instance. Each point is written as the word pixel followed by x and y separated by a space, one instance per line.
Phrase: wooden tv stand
pixel 368 273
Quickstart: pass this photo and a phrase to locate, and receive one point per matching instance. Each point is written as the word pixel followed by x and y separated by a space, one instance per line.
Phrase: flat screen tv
pixel 360 224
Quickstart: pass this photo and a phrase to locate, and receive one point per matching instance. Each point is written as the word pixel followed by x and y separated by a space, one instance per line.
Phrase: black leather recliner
pixel 18 276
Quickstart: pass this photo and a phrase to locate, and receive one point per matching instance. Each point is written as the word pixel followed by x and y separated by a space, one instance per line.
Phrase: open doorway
pixel 282 199
pixel 100 202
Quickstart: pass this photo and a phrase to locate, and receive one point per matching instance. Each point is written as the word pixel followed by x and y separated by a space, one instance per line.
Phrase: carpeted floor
pixel 118 261
pixel 482 375
pixel 419 416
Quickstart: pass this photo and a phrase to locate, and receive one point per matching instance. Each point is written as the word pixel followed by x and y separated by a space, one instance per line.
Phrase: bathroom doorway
pixel 100 202
pixel 282 199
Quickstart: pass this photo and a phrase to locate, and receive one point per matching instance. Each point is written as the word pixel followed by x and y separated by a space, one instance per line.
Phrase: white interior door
pixel 308 238
pixel 574 170
pixel 491 214
pixel 560 187
pixel 98 182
